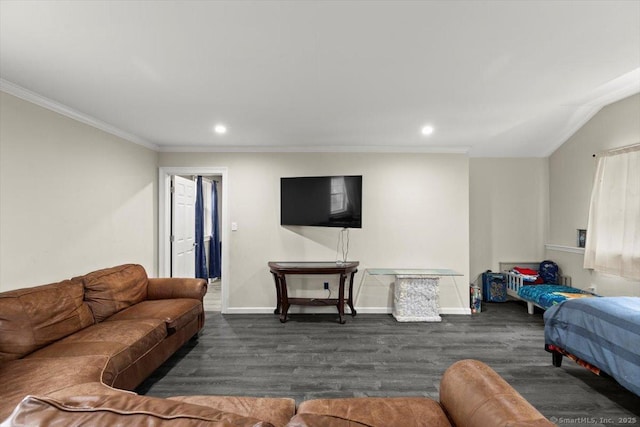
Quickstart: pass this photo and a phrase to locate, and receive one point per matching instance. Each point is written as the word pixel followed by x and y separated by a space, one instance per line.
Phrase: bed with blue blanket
pixel 545 296
pixel 602 334
pixel 535 292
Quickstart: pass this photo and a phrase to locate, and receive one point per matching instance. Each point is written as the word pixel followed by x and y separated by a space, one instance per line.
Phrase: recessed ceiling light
pixel 427 130
pixel 220 129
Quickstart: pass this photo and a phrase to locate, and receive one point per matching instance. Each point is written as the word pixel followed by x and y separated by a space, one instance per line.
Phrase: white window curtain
pixel 613 231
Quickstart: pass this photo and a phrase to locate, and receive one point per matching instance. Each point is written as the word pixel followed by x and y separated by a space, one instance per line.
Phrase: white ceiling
pixel 494 78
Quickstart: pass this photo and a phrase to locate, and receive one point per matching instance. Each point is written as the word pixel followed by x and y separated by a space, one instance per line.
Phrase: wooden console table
pixel 281 269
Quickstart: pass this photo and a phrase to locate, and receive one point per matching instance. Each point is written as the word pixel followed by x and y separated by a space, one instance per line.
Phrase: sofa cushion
pixel 312 420
pixel 22 377
pixel 86 389
pixel 277 411
pixel 121 410
pixel 174 312
pixel 123 341
pixel 32 318
pixel 112 289
pixel 380 411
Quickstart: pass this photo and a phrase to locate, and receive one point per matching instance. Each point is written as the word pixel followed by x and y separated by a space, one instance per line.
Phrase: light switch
pixel 234 226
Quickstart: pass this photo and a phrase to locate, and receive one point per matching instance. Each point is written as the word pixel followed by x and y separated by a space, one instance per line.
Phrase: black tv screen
pixel 321 201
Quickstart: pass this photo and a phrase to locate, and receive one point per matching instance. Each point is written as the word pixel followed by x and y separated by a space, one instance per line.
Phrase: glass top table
pixel 412 271
pixel 415 294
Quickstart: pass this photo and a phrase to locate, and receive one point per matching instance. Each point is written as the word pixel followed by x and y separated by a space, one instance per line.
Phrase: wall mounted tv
pixel 321 201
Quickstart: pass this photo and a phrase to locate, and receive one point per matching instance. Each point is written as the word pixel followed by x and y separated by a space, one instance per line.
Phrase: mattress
pixel 604 332
pixel 546 296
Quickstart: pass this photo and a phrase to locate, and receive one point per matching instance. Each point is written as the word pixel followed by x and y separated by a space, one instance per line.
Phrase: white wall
pixel 72 198
pixel 508 205
pixel 415 214
pixel 571 172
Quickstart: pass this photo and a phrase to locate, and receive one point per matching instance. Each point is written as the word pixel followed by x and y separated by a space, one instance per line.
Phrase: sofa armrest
pixel 176 287
pixel 474 395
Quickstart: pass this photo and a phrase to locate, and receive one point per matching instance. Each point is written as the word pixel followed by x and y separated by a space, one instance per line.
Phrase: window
pixel 613 233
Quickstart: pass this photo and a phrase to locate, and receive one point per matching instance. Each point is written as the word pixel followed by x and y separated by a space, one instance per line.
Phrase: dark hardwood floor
pixel 312 356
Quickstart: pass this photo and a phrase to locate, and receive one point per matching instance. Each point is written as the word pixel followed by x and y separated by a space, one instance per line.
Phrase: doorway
pixel 213 302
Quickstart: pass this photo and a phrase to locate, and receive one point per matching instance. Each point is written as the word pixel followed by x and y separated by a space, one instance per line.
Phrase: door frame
pixel 164 221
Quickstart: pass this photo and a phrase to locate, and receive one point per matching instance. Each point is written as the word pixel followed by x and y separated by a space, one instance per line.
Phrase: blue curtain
pixel 201 256
pixel 215 261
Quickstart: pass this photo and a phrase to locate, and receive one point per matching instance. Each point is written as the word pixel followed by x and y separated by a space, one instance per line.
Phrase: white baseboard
pixel 294 309
pixel 249 310
pixel 373 310
pixel 210 306
pixel 312 309
pixel 455 310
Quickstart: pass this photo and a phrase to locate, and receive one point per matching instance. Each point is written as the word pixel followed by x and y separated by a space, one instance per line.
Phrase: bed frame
pixel 514 281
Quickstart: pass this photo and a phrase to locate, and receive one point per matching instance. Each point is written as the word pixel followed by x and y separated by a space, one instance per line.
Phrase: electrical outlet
pixel 592 288
pixel 326 286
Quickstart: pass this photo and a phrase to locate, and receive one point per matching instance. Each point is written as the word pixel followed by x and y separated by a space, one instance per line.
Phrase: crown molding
pixel 579 118
pixel 585 108
pixel 619 88
pixel 613 91
pixel 27 95
pixel 314 149
pixel 49 104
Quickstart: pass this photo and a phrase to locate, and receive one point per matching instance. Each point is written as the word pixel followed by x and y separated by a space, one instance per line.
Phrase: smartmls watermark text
pixel 593 420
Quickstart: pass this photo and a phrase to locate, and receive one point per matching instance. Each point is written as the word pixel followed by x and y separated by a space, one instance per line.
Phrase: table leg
pixel 284 299
pixel 341 298
pixel 350 300
pixel 278 300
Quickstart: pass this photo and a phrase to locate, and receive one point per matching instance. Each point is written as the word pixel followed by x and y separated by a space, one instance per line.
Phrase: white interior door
pixel 183 228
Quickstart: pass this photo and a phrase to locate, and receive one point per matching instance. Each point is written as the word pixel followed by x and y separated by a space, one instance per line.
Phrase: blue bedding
pixel 548 295
pixel 604 332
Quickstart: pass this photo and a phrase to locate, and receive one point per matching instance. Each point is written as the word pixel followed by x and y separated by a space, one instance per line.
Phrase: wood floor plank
pixel 312 356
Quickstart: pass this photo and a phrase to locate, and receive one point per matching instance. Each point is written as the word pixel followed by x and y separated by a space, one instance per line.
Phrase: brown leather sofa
pixel 69 352
pixel 114 326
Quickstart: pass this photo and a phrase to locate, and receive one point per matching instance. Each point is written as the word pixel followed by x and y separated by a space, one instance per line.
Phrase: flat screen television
pixel 321 201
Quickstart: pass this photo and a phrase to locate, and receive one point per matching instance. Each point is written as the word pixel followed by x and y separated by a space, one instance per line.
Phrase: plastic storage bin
pixel 494 287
